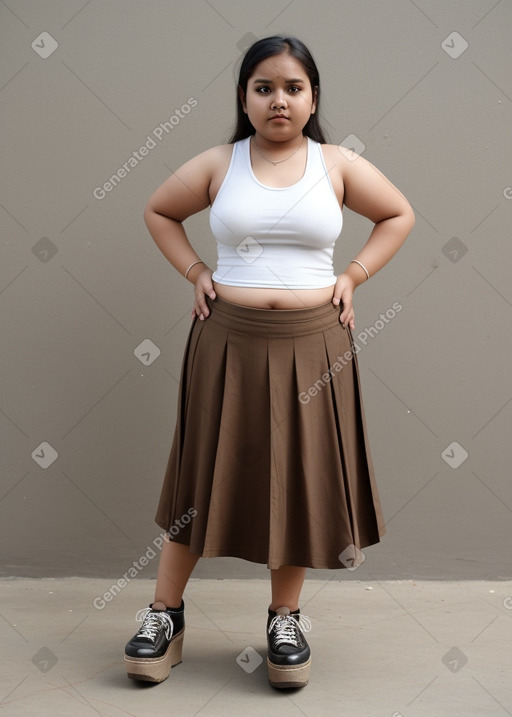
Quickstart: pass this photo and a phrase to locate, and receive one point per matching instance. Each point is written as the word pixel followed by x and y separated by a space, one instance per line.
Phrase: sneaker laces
pixel 152 622
pixel 287 628
pixel 305 623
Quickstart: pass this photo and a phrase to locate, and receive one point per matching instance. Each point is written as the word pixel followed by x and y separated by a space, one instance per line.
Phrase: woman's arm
pixel 184 193
pixel 369 193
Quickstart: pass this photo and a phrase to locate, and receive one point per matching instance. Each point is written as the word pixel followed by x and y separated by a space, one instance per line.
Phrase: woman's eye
pixel 264 90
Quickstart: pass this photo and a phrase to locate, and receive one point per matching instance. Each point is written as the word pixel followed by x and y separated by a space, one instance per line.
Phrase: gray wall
pixel 82 284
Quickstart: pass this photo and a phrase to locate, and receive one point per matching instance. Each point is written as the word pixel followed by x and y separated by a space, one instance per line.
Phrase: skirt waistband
pixel 275 322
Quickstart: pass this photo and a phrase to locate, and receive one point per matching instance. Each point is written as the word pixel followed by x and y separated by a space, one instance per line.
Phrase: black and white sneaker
pixel 289 656
pixel 158 644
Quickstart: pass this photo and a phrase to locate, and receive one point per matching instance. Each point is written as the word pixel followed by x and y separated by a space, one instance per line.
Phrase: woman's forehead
pixel 279 67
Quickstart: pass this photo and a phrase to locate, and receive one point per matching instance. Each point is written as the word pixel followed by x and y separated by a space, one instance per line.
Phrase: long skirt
pixel 270 460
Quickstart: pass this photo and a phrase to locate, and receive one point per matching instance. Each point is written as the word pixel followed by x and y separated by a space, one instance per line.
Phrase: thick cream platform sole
pixel 156 669
pixel 285 676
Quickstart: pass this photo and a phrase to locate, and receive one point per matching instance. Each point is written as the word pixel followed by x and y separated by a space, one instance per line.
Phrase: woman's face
pixel 279 85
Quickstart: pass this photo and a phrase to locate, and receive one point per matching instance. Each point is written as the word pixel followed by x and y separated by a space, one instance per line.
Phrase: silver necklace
pixel 276 161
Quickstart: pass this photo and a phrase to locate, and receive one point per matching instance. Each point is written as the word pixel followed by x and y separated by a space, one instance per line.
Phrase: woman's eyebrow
pixel 269 82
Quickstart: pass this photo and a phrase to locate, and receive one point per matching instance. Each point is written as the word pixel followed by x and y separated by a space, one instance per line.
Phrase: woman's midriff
pixel 274 298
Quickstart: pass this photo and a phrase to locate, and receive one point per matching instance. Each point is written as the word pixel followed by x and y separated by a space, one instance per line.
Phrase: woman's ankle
pixel 292 607
pixel 171 602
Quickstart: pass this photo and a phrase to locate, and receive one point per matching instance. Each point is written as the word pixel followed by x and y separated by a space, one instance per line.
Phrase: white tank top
pixel 275 237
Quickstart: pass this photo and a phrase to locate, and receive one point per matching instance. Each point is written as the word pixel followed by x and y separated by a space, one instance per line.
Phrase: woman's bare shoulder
pixel 214 154
pixel 339 154
pixel 206 164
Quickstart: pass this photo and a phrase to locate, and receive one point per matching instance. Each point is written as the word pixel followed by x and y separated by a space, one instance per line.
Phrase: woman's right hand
pixel 343 292
pixel 203 286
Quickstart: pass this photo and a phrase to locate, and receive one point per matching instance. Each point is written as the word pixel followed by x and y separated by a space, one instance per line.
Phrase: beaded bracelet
pixel 362 265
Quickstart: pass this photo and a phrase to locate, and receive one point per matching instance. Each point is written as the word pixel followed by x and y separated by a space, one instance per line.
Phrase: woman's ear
pixel 315 95
pixel 241 94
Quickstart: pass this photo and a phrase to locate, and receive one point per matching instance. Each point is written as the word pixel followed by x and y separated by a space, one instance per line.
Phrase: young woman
pixel 270 460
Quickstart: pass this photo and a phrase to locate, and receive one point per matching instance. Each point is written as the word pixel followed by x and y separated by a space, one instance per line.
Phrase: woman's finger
pixel 347 317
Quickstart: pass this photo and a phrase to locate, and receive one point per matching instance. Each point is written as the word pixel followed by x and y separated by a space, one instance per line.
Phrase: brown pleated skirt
pixel 270 460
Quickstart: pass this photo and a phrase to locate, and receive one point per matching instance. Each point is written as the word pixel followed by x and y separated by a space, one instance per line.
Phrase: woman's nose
pixel 279 99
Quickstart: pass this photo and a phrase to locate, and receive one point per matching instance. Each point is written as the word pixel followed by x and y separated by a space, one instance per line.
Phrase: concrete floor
pixel 386 649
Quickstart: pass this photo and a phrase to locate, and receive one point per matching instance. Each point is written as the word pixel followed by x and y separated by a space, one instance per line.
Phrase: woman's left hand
pixel 203 286
pixel 344 291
